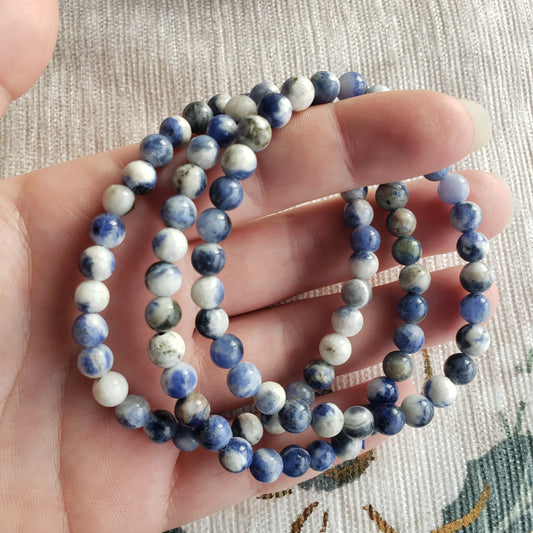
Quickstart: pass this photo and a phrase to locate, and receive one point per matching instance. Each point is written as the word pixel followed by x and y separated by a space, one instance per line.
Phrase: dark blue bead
pixel 389 419
pixel 296 460
pixel 276 108
pixel 322 455
pixel 465 216
pixel 226 351
pixel 409 338
pixel 226 193
pixel 171 128
pixel 472 246
pixel 327 87
pixel 267 465
pixel 407 250
pixel 215 433
pixel 208 259
pixel 382 390
pixel 222 128
pixel 107 230
pixel 186 439
pixel 319 374
pixel 161 426
pixel 261 89
pixel 438 175
pixel 207 322
pixel 475 308
pixel 412 308
pixel 351 84
pixel 365 238
pixel 198 115
pixel 156 149
pixel 460 368
pixel 213 225
pixel 295 416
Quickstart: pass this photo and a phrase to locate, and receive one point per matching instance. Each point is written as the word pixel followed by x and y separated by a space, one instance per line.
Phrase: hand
pixel 65 463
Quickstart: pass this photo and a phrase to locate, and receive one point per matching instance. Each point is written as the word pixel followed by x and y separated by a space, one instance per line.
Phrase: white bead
pixel 335 349
pixel 239 106
pixel 189 180
pixel 351 449
pixel 166 349
pixel 347 321
pixel 330 424
pixel 272 425
pixel 440 391
pixel 363 268
pixel 300 91
pixel 91 296
pixel 140 176
pixel 170 244
pixel 270 398
pixel 207 292
pixel 250 428
pixel 118 199
pixel 102 262
pixel 110 390
pixel 414 278
pixel 238 157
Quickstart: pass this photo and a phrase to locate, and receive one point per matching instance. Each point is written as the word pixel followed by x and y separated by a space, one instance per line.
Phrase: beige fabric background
pixel 121 66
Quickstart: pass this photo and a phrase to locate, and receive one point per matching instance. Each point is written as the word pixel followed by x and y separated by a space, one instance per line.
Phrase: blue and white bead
pixel 360 193
pixel 166 349
pixel 472 246
pixel 96 361
pixel 453 189
pixel 156 149
pixel 473 339
pixel 239 161
pixel 296 460
pixel 357 213
pixel 409 338
pixel 240 106
pixel 438 175
pixel 270 398
pixel 244 380
pixel 351 84
pixel 91 296
pixel 255 132
pixel 178 212
pixel 222 128
pixel 346 448
pixel 162 313
pixel 97 262
pixel 193 410
pixel 177 129
pixel 207 292
pixel 327 420
pixel 276 108
pixel 236 456
pixel 107 230
pixel 208 259
pixel 295 416
pixel 213 225
pixel 212 323
pixel 226 193
pixel 415 278
pixel 475 308
pixel 249 427
pixel 358 422
pixel 89 330
pixel 347 320
pixel 170 245
pixel 218 102
pixel 133 412
pixel 271 424
pixel 139 176
pixel 300 390
pixel 186 439
pixel 198 115
pixel 476 277
pixel 215 433
pixel 388 419
pixel 261 89
pixel 226 351
pixel 465 216
pixel 163 279
pixel 189 180
pixel 111 389
pixel 203 151
pixel 460 368
pixel 440 391
pixel 382 390
pixel 118 200
pixel 322 455
pixel 335 349
pixel 327 87
pixel 418 410
pixel 267 465
pixel 366 238
pixel 363 264
pixel 300 91
pixel 179 381
pixel 160 427
pixel 319 374
pixel 356 293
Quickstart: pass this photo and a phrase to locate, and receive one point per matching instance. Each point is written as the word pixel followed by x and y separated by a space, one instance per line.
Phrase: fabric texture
pixel 122 66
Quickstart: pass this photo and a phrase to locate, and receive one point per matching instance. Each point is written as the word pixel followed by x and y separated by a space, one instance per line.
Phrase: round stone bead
pixel 267 465
pixel 358 422
pixel 213 225
pixel 212 323
pixel 440 391
pixel 327 420
pixel 133 412
pixel 261 89
pixel 354 194
pixel 139 176
pixel 438 175
pixel 473 339
pixel 186 439
pixel 207 292
pixel 222 128
pixel 170 245
pixel 208 259
pixel 351 84
pixel 177 129
pixel 240 106
pixel 357 213
pixel 295 416
pixel 418 410
pixel 356 293
pixel 160 427
pixel 363 264
pixel 300 390
pixel 91 296
pixel 409 338
pixel 407 250
pixel 193 410
pixel 319 375
pixel 392 196
pixel 453 189
pixel 401 222
pixel 162 313
pixel 270 398
pixel 255 132
pixel 203 151
pixel 276 108
pixel 476 277
pixel 226 351
pixel 198 115
pixel 236 456
pixel 382 390
pixel 335 349
pixel 97 262
pixel 89 330
pixel 178 212
pixel 189 180
pixel 215 433
pixel 412 308
pixel 460 368
pixel 365 238
pixel 166 349
pixel 322 455
pixel 163 279
pixel 111 389
pixel 271 424
pixel 226 193
pixel 327 87
pixel 398 366
pixel 296 460
pixel 244 380
pixel 347 320
pixel 472 246
pixel 377 89
pixel 249 427
pixel 218 102
pixel 238 161
pixel 346 448
pixel 415 278
pixel 465 216
pixel 156 149
pixel 300 91
pixel 475 308
pixel 107 230
pixel 96 361
pixel 118 200
pixel 179 381
pixel 388 419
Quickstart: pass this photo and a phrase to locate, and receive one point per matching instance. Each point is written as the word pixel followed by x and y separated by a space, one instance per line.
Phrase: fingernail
pixel 482 123
pixel 500 178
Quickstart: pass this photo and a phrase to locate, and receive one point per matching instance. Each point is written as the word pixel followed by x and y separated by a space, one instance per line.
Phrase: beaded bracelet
pixel 163 279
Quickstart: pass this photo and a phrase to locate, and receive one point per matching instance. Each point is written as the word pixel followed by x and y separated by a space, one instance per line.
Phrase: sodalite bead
pixel 186 439
pixel 133 412
pixel 295 416
pixel 212 323
pixel 189 180
pixel 388 419
pixel 139 176
pixel 354 194
pixel 300 390
pixel 207 292
pixel 236 456
pixel 327 420
pixel 215 433
pixel 110 390
pixel 327 87
pixel 208 259
pixel 276 108
pixel 476 277
pixel 226 351
pixel 226 193
pixel 382 390
pixel 440 391
pixel 162 313
pixel 300 91
pixel 160 427
pixel 270 398
pixel 239 161
pixel 267 465
pixel 453 189
pixel 178 212
pixel 351 84
pixel 460 368
pixel 166 349
pixel 438 175
pixel 96 361
pixel 347 320
pixel 473 339
pixel 170 245
pixel 358 422
pixel 365 238
pixel 156 149
pixel 398 366
pixel 259 90
pixel 357 213
pixel 346 448
pixel 177 129
pixel 193 410
pixel 319 375
pixel 118 200
pixel 409 338
pixel 322 455
pixel 240 106
pixel 271 424
pixel 377 89
pixel 222 128
pixel 415 278
pixel 97 262
pixel 472 246
pixel 255 132
pixel 89 330
pixel 475 308
pixel 249 427
pixel 401 222
pixel 356 293
pixel 244 380
pixel 198 115
pixel 218 102
pixel 363 264
pixel 203 151
pixel 296 460
pixel 418 410
pixel 392 196
pixel 179 381
pixel 163 279
pixel 213 225
pixel 465 216
pixel 91 296
pixel 412 308
pixel 107 230
pixel 407 250
pixel 335 348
